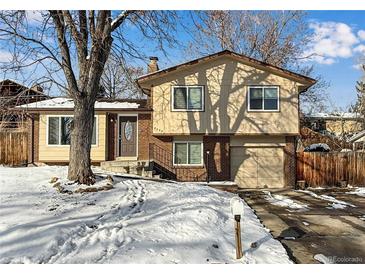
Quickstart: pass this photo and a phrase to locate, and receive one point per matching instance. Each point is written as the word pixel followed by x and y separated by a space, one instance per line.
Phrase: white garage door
pixel 257 167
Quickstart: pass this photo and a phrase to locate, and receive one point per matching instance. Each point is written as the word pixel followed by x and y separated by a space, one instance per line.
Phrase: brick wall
pixel 219 158
pixel 33 138
pixel 290 162
pixel 144 135
pixel 112 131
pixel 218 162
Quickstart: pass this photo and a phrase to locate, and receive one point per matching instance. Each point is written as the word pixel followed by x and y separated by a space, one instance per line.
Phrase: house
pixel 14 94
pixel 358 141
pixel 220 117
pixel 50 121
pixel 339 124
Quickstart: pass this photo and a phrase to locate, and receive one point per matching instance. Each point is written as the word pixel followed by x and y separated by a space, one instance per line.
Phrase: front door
pixel 127 136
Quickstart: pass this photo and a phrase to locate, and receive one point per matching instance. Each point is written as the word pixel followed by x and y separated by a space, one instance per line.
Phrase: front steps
pixel 135 167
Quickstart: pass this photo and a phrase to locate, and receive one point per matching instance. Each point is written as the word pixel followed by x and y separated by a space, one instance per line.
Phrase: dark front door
pixel 127 136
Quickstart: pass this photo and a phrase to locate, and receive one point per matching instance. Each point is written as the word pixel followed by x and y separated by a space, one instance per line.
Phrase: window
pixel 59 130
pixel 188 153
pixel 188 98
pixel 263 98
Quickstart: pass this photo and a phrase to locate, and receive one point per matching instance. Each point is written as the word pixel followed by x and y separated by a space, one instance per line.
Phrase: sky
pixel 338 39
pixel 346 35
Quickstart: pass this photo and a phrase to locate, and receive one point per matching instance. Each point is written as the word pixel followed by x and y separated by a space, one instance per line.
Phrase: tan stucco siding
pixel 226 82
pixel 257 141
pixel 52 153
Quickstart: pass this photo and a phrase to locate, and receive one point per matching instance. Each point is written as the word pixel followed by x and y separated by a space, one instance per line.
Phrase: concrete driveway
pixel 337 232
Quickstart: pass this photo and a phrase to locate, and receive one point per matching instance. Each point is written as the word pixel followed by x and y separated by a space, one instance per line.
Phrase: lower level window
pixel 188 153
pixel 59 130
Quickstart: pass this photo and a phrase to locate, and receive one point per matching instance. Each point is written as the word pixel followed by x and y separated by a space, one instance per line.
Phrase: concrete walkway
pixel 339 234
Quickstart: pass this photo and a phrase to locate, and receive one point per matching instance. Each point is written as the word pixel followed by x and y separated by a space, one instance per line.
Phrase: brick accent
pixel 144 135
pixel 289 162
pixel 112 131
pixel 33 138
pixel 219 157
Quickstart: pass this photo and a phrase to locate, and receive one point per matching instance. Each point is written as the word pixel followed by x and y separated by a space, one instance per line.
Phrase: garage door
pixel 257 167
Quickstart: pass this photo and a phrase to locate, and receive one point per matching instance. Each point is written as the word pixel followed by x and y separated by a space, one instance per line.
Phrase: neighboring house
pixel 340 124
pixel 221 117
pixel 358 141
pixel 14 94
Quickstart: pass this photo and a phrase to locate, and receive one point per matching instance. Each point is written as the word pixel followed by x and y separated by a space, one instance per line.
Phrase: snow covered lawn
pixel 137 221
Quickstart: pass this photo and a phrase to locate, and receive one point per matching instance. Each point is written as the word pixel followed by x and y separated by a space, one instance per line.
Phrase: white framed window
pixel 263 98
pixel 59 130
pixel 188 98
pixel 188 153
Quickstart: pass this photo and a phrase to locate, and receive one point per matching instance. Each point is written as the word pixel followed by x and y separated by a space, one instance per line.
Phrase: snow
pixel 67 103
pixel 217 183
pixel 335 115
pixel 317 147
pixel 116 19
pixel 322 259
pixel 336 204
pixel 280 200
pixel 360 191
pixel 305 223
pixel 138 221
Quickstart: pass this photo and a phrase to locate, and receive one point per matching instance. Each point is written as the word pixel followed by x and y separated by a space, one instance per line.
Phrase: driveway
pixel 329 222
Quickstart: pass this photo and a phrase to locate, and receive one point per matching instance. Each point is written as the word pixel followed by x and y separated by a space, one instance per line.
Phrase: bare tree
pixel 73 47
pixel 316 98
pixel 275 37
pixel 118 79
pixel 359 106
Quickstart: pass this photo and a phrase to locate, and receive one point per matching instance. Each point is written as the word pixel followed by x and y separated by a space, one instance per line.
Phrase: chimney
pixel 153 65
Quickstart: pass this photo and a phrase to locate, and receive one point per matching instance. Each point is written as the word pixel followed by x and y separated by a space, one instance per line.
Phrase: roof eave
pixel 304 80
pixel 35 110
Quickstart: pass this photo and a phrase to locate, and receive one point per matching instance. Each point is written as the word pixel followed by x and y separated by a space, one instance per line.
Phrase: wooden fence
pixel 331 168
pixel 13 148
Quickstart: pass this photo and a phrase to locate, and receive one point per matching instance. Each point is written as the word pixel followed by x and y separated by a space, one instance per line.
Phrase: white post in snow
pixel 237 211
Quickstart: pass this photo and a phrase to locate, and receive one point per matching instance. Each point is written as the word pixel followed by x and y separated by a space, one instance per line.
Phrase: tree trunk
pixel 81 137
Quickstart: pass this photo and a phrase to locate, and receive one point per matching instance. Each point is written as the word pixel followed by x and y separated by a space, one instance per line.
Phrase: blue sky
pixel 338 41
pixel 341 74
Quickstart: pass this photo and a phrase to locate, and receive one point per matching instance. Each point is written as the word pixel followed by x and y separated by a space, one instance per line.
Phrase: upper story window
pixel 263 98
pixel 190 98
pixel 59 130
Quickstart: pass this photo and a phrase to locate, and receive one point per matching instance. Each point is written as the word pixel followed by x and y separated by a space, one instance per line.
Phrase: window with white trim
pixel 59 130
pixel 188 153
pixel 188 98
pixel 263 98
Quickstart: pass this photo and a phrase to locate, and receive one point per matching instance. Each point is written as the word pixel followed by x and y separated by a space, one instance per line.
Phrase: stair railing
pixel 164 158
